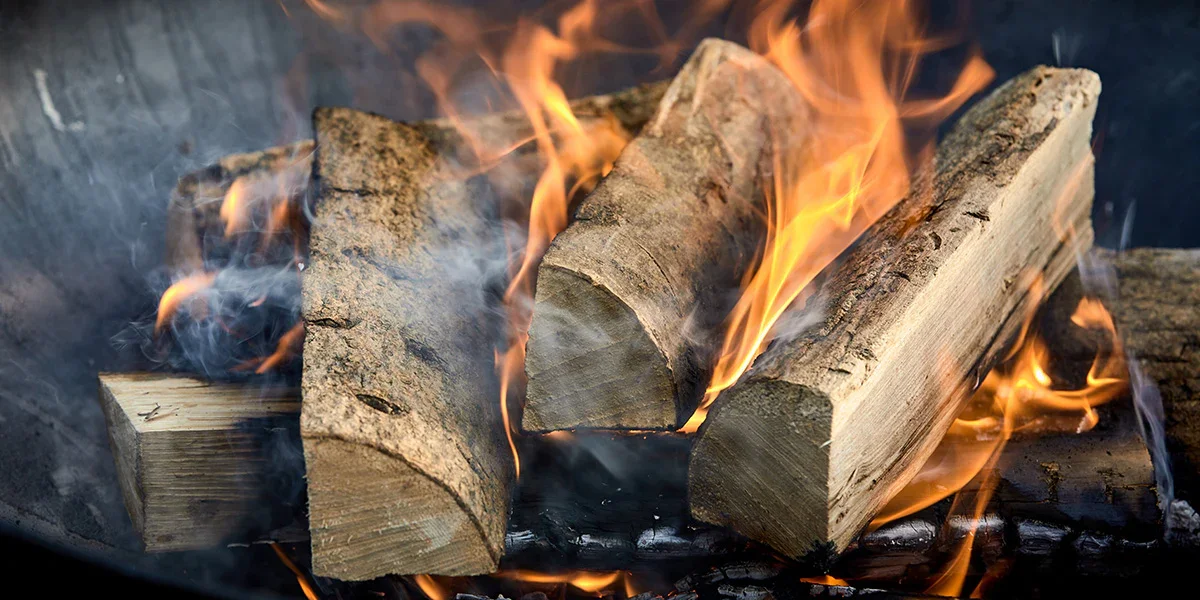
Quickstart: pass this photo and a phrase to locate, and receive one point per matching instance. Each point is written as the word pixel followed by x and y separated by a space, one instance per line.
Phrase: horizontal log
pixel 827 426
pixel 203 464
pixel 633 291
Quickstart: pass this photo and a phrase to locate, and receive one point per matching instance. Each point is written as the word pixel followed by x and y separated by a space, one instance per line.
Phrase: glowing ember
pixel 853 63
pixel 589 582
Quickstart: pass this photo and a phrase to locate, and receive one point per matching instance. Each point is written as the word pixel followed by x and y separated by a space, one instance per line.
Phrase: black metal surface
pixel 104 104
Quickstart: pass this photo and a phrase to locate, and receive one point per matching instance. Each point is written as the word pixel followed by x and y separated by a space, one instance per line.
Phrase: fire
pixel 853 63
pixel 179 292
pixel 287 348
pixel 587 581
pixel 306 587
pixel 597 583
pixel 1018 396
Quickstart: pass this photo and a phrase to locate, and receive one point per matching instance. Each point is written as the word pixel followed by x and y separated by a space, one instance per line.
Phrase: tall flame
pixel 853 63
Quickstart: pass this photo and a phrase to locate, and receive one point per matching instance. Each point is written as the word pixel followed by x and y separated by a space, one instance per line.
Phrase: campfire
pixel 751 330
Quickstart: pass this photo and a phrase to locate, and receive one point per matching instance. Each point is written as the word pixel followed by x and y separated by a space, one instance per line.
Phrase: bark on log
pixel 1157 312
pixel 829 425
pixel 628 295
pixel 408 468
pixel 203 464
pixel 406 460
pixel 195 232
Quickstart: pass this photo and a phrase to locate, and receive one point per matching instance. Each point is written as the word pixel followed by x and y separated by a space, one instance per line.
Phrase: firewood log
pixel 407 465
pixel 1157 311
pixel 828 425
pixel 630 293
pixel 203 464
pixel 195 232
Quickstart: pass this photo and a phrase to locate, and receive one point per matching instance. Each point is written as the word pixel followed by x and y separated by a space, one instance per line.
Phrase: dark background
pixel 146 91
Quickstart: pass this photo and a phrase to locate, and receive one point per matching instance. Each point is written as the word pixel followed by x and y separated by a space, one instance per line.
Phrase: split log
pixel 1157 312
pixel 829 425
pixel 630 293
pixel 203 464
pixel 408 468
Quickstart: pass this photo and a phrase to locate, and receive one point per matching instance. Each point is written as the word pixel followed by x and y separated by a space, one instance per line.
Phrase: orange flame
pixel 853 63
pixel 587 581
pixel 305 587
pixel 235 212
pixel 572 157
pixel 1019 396
pixel 591 582
pixel 180 292
pixel 287 347
pixel 431 587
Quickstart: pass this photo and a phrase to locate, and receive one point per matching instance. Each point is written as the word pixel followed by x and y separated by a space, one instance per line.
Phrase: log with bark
pixel 830 424
pixel 1157 311
pixel 203 464
pixel 407 465
pixel 632 292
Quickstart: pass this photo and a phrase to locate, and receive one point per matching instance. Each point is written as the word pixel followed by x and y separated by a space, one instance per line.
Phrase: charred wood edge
pixel 195 202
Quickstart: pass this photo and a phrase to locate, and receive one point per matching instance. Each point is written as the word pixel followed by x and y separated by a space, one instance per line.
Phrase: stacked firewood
pixel 405 456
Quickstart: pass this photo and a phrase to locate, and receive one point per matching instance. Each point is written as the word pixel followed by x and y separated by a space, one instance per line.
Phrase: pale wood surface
pixel 194 227
pixel 398 381
pixel 631 293
pixel 829 424
pixel 192 457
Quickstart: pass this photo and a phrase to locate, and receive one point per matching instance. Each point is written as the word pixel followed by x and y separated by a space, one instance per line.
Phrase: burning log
pixel 204 464
pixel 624 292
pixel 1158 292
pixel 829 425
pixel 195 230
pixel 400 398
pixel 407 465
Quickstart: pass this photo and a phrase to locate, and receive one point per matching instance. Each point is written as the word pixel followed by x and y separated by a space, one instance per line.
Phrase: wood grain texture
pixel 826 426
pixel 1157 312
pixel 399 386
pixel 631 293
pixel 194 459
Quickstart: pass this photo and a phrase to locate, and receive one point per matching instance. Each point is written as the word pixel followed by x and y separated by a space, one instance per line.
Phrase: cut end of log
pixel 591 346
pixel 775 482
pixel 192 458
pixel 374 513
pixel 631 296
pixel 923 306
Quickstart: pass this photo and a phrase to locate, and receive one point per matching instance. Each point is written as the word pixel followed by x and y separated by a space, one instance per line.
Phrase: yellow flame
pixel 852 62
pixel 178 293
pixel 587 581
pixel 431 587
pixel 1019 395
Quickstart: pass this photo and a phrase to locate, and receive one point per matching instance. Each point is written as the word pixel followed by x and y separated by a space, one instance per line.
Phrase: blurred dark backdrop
pixel 104 104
